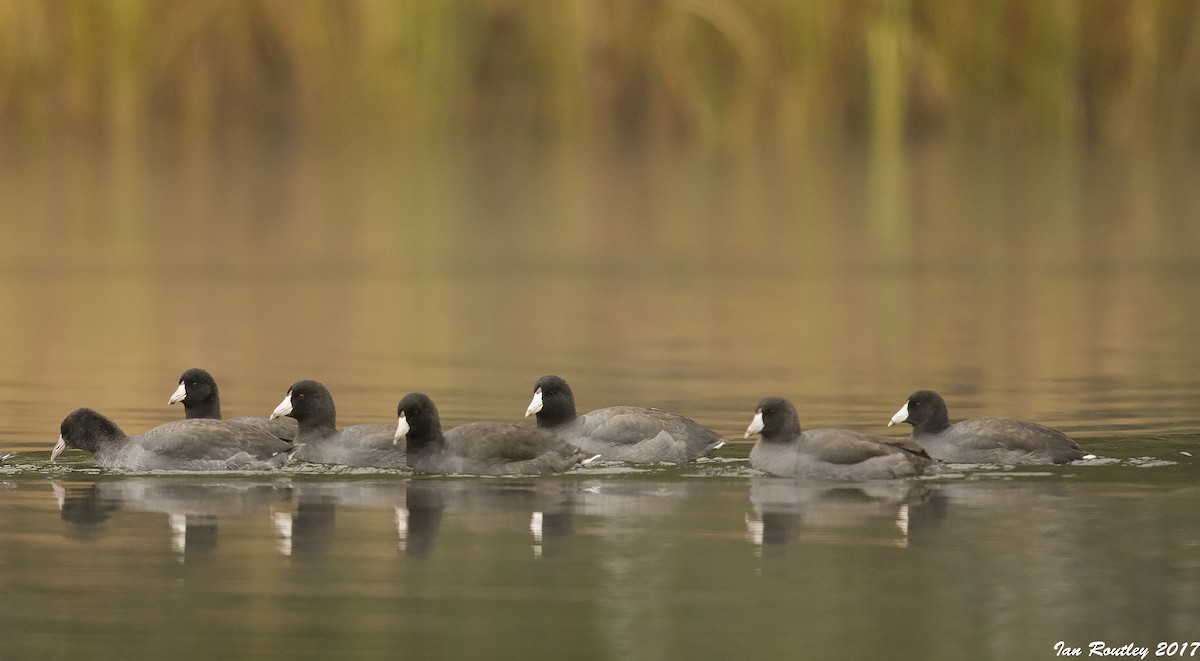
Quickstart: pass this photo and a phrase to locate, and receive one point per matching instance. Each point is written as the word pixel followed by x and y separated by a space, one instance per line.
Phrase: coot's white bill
pixel 756 424
pixel 284 408
pixel 58 448
pixel 180 394
pixel 401 429
pixel 536 404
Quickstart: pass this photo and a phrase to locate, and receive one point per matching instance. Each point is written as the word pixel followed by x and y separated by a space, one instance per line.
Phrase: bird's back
pixel 196 444
pixel 638 434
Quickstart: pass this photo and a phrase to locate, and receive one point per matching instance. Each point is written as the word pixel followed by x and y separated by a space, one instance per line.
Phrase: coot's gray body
pixel 202 399
pixel 828 454
pixel 983 440
pixel 320 441
pixel 479 448
pixel 198 444
pixel 621 433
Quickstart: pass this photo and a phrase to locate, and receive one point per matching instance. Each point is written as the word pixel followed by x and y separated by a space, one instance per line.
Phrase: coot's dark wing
pixel 1016 439
pixel 285 428
pixel 358 445
pixel 183 443
pixel 838 455
pixel 842 446
pixel 906 443
pixel 498 448
pixel 631 433
pixel 497 440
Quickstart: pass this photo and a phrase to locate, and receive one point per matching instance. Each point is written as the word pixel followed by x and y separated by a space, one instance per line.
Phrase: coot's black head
pixel 418 420
pixel 310 404
pixel 775 420
pixel 198 392
pixel 85 429
pixel 553 401
pixel 925 410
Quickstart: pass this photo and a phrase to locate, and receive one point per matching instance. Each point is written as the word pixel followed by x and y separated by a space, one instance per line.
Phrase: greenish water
pixel 1064 290
pixel 707 561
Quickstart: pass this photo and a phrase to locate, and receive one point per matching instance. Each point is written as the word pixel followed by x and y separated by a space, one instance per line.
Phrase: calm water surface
pixel 1060 289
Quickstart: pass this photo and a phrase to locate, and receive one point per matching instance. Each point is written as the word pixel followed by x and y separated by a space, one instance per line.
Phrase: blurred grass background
pixel 794 194
pixel 600 72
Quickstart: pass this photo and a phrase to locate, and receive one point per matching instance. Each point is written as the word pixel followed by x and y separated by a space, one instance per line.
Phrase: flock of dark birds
pixel 304 428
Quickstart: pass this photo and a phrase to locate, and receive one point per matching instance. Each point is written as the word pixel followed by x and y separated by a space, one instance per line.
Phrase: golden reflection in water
pixel 1060 288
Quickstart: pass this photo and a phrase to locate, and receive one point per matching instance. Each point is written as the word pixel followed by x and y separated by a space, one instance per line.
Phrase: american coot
pixel 201 399
pixel 479 448
pixel 621 433
pixel 827 454
pixel 983 440
pixel 321 442
pixel 199 444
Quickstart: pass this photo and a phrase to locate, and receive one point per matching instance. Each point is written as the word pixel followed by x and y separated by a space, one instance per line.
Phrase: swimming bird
pixel 320 441
pixel 827 454
pixel 198 444
pixel 479 448
pixel 621 433
pixel 983 440
pixel 201 399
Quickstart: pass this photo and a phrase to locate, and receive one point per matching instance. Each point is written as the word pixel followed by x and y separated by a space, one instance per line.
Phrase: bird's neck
pixel 556 416
pixel 210 409
pixel 317 427
pixel 938 422
pixel 425 443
